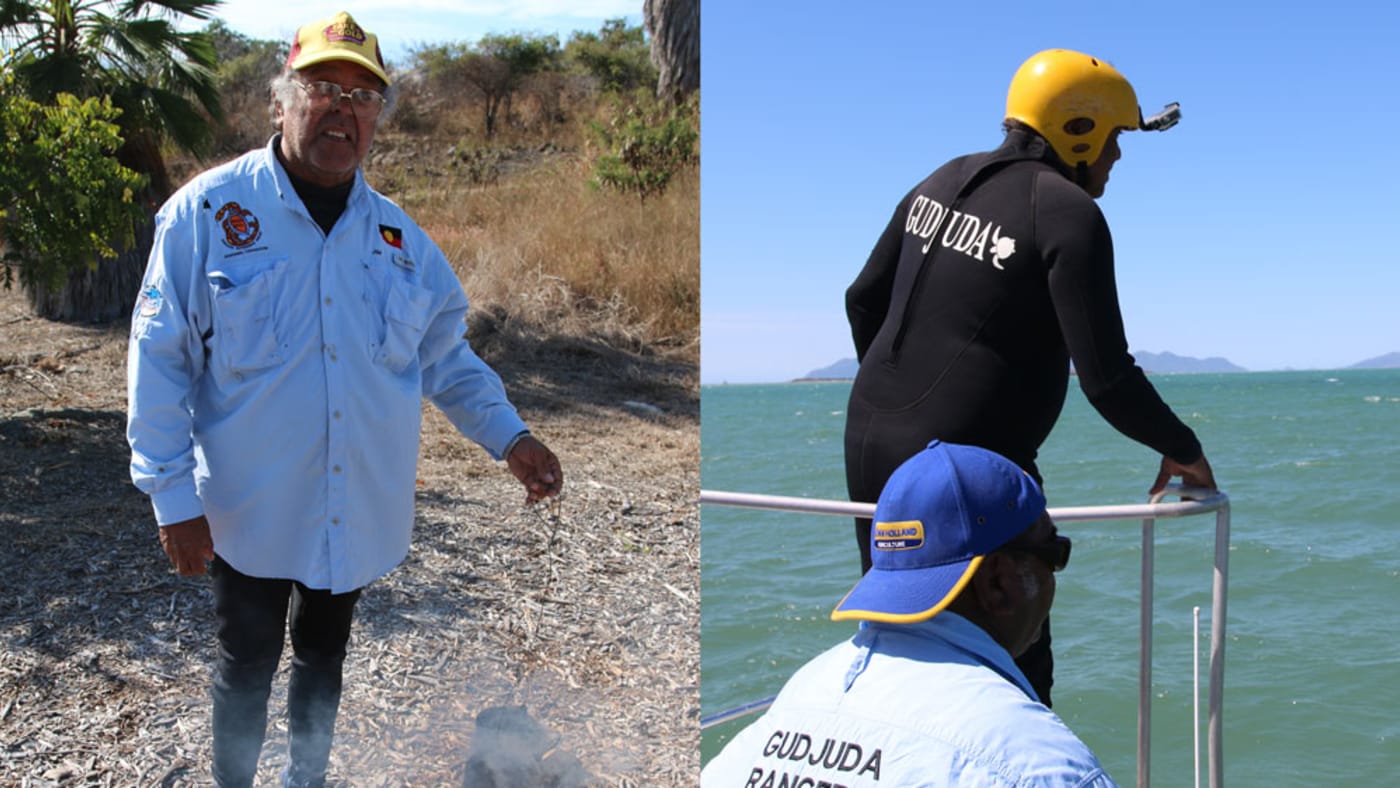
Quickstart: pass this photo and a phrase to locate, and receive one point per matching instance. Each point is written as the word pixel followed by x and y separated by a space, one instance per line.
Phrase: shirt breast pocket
pixel 407 310
pixel 245 321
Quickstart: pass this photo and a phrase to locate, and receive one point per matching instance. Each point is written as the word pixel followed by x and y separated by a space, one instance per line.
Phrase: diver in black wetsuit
pixel 992 275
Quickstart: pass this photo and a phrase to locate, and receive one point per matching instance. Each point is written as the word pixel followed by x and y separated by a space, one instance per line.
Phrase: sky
pixel 401 24
pixel 1260 229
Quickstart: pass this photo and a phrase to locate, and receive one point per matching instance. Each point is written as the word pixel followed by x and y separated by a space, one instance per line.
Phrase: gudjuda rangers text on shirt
pixel 841 756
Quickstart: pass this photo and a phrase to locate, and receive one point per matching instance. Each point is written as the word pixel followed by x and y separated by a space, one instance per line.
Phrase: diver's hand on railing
pixel 1197 474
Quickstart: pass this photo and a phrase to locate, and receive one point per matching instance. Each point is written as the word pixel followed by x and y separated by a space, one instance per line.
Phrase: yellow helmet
pixel 1074 101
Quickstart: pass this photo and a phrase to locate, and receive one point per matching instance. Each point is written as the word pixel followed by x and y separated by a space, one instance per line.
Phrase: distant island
pixel 1164 363
pixel 1167 363
pixel 845 369
pixel 1388 361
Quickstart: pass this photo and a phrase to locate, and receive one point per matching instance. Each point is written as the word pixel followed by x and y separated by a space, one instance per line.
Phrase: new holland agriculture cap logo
pixel 906 535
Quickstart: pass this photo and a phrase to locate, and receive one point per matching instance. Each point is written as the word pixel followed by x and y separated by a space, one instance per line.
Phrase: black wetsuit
pixel 971 342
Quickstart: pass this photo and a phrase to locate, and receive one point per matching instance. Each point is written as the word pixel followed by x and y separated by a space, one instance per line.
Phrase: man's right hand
pixel 1197 474
pixel 537 468
pixel 188 544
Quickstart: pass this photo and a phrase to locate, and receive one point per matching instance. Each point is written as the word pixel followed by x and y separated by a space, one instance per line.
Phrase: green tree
pixel 162 79
pixel 64 198
pixel 495 67
pixel 618 56
pixel 246 67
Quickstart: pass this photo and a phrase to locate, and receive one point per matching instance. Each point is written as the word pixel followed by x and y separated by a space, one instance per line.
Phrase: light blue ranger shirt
pixel 276 374
pixel 938 703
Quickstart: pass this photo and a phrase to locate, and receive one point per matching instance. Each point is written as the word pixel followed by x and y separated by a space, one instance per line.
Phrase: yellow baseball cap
pixel 336 38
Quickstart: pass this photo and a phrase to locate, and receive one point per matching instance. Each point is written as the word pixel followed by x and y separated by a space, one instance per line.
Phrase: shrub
pixel 64 198
pixel 645 143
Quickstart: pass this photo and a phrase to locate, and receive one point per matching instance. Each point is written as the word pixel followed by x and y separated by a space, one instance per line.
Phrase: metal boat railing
pixel 1195 501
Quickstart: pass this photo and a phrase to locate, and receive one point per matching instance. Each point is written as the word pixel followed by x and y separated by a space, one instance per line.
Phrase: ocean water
pixel 1311 461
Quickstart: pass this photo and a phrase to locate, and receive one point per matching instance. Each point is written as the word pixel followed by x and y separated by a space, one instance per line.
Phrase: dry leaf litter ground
pixel 587 615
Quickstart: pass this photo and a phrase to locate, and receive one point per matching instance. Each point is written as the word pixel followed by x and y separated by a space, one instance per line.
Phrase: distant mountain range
pixel 1388 361
pixel 1161 363
pixel 1172 364
pixel 845 369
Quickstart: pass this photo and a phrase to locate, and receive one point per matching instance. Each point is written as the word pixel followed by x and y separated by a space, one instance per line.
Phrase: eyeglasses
pixel 1055 552
pixel 326 94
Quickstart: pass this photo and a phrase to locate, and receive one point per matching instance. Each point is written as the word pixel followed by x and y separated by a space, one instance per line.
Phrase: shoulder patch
pixel 150 302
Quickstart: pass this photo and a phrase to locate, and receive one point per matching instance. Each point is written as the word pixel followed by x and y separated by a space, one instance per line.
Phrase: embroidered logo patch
pixel 392 236
pixel 150 302
pixel 241 228
pixel 905 535
pixel 345 30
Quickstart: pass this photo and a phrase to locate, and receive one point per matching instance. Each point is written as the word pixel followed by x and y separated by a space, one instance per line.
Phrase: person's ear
pixel 998 585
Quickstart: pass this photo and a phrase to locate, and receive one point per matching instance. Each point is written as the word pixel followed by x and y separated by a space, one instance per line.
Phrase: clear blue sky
pixel 1261 229
pixel 403 23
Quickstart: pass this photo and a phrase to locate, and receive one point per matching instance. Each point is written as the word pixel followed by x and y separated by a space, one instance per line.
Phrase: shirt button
pixel 335 521
pixel 336 469
pixel 336 414
pixel 328 300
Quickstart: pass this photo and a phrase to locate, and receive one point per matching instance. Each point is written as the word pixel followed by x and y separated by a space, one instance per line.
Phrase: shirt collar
pixel 961 634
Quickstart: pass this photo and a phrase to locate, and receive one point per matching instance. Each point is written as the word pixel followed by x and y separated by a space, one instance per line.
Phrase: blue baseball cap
pixel 939 514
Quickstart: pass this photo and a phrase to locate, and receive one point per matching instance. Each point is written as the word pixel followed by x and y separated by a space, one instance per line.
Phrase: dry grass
pixel 528 233
pixel 550 249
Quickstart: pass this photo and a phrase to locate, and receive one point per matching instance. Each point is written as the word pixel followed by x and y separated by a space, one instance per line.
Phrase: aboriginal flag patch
pixel 392 236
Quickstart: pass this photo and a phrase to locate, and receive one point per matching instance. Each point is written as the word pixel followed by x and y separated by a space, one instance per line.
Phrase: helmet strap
pixel 1081 175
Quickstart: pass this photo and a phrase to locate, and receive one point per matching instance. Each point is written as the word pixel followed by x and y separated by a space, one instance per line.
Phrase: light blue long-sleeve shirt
pixel 938 703
pixel 276 374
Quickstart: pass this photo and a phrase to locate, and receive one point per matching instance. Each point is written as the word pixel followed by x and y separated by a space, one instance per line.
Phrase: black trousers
pixel 254 615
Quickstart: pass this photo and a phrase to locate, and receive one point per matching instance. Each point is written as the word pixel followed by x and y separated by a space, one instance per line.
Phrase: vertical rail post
pixel 1144 742
pixel 1196 695
pixel 1220 586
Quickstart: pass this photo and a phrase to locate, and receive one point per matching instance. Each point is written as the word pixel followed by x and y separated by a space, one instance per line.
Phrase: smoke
pixel 511 749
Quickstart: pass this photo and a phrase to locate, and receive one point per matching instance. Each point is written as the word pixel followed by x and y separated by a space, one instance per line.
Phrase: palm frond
pixel 195 9
pixel 132 50
pixel 180 119
pixel 15 14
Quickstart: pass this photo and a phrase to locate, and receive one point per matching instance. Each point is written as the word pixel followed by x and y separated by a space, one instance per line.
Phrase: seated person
pixel 927 693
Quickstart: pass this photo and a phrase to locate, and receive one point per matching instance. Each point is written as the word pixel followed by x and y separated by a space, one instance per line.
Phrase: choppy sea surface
pixel 1311 462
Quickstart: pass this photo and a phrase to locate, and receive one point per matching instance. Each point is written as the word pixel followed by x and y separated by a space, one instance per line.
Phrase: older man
pixel 290 322
pixel 927 692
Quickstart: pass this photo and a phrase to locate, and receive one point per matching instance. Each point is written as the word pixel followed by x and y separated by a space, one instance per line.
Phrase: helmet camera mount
pixel 1168 117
